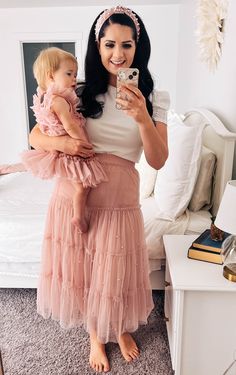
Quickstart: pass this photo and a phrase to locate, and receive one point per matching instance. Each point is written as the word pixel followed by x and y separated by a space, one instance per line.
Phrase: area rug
pixel 30 345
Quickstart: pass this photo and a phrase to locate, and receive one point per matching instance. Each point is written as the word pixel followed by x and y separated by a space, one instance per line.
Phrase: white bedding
pixel 188 223
pixel 24 200
pixel 156 227
pixel 198 222
pixel 23 205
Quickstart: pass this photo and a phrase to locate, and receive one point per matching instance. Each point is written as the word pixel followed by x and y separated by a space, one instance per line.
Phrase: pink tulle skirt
pixel 46 165
pixel 99 278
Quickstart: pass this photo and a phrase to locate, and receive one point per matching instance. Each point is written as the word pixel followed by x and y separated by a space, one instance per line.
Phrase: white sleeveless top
pixel 117 133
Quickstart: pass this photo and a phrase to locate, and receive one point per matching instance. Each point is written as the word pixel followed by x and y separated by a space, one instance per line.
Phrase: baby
pixel 55 110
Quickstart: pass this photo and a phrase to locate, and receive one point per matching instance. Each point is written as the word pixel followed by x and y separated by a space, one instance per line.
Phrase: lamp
pixel 226 220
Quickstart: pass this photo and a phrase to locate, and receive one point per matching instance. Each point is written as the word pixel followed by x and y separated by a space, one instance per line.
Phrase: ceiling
pixel 68 3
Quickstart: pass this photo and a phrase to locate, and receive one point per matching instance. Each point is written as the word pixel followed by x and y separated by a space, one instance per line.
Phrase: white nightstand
pixel 200 310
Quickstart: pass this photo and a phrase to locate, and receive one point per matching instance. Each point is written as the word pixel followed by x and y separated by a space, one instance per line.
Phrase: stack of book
pixel 208 250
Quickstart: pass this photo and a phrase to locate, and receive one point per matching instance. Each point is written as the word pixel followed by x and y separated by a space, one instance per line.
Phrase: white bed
pixel 222 142
pixel 24 200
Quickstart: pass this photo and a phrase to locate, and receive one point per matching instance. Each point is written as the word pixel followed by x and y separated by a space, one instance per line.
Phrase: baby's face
pixel 65 76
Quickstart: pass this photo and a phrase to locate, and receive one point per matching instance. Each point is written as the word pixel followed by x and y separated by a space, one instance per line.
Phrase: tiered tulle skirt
pixel 99 278
pixel 46 165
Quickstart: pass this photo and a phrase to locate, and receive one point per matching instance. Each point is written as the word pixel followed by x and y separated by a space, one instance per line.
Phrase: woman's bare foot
pixel 98 359
pixel 128 347
pixel 81 224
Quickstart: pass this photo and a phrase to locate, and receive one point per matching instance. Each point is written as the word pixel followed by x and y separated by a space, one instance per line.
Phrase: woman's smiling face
pixel 117 49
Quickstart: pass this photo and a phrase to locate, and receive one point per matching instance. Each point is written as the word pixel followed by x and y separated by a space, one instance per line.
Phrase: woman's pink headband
pixel 116 10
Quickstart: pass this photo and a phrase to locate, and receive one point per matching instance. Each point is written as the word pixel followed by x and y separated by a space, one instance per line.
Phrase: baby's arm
pixel 62 109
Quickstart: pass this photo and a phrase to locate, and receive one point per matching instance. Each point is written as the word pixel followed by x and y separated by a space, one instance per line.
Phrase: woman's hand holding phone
pixel 125 77
pixel 129 98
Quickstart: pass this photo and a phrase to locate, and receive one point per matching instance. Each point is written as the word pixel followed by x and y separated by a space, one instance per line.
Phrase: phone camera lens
pixel 134 73
pixel 130 76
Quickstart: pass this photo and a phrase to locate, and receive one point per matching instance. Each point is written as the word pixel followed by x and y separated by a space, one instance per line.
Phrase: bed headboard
pixel 220 140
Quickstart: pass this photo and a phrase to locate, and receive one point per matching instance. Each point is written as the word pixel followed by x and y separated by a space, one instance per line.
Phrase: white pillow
pixel 147 177
pixel 175 181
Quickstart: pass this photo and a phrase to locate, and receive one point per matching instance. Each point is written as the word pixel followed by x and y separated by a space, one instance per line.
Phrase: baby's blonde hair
pixel 47 62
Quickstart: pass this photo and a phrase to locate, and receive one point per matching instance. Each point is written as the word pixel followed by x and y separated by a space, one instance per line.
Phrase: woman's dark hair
pixel 97 77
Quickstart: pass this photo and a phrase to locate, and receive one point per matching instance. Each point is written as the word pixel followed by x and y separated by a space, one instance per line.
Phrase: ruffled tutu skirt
pixel 46 165
pixel 99 278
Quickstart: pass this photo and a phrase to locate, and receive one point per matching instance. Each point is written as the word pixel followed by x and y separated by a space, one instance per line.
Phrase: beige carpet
pixel 32 346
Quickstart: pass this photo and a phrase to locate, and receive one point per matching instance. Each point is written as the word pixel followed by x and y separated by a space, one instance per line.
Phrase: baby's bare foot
pixel 128 347
pixel 98 359
pixel 81 224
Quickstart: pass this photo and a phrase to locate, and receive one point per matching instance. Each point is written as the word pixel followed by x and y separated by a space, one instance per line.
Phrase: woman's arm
pixel 63 143
pixel 154 138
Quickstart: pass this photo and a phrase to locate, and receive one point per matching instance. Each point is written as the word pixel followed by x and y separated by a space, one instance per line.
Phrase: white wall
pixel 196 86
pixel 162 24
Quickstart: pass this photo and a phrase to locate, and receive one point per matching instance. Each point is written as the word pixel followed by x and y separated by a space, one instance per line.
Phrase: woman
pixel 101 277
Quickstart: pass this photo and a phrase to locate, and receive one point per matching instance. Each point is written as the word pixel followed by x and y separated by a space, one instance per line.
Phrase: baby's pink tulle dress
pixel 45 164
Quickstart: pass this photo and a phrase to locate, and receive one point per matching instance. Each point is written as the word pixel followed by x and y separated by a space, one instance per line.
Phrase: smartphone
pixel 126 75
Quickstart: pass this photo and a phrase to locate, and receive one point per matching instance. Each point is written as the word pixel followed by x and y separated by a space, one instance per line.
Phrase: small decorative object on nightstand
pixel 226 220
pixel 216 233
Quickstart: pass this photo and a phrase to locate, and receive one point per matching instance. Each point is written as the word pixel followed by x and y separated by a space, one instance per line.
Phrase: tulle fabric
pixel 46 165
pixel 98 279
pixel 48 121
